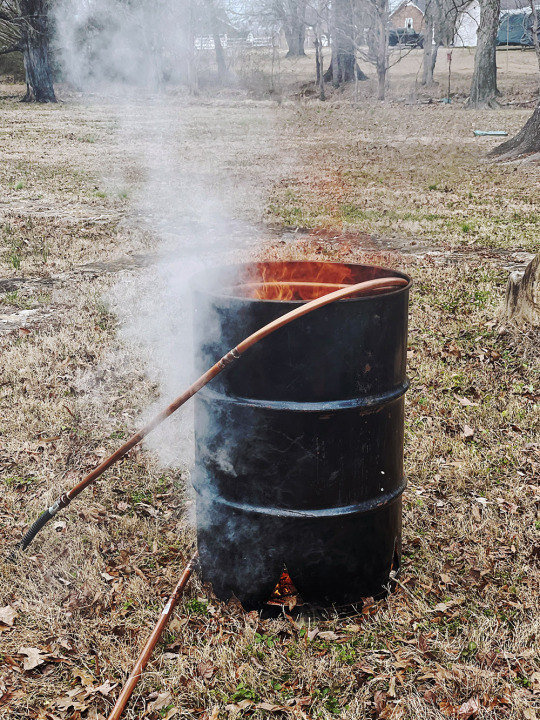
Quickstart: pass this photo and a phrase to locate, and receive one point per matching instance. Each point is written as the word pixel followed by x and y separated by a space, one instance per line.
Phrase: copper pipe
pixel 152 641
pixel 233 355
pixel 381 283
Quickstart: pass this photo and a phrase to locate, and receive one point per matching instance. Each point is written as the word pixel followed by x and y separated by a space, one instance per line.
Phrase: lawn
pixel 101 228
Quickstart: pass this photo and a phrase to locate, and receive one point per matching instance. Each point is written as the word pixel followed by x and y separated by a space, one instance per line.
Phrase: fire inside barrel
pixel 299 446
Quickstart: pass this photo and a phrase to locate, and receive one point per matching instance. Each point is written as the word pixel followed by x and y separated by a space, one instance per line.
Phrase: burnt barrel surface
pixel 299 445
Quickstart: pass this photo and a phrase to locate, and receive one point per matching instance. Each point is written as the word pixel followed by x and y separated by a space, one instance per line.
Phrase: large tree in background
pixel 221 62
pixel 431 17
pixel 24 27
pixel 441 18
pixel 294 26
pixel 484 82
pixel 133 43
pixel 290 15
pixel 527 141
pixel 343 66
pixel 343 46
pixel 380 14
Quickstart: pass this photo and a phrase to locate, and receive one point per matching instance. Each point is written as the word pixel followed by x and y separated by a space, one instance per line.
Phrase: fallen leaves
pixel 235 708
pixel 105 688
pixel 7 615
pixel 162 700
pixel 205 670
pixel 73 701
pixel 79 698
pixel 465 711
pixel 469 708
pixel 33 657
pixel 441 607
pixel 465 402
pixel 86 678
pixel 468 432
pixel 379 701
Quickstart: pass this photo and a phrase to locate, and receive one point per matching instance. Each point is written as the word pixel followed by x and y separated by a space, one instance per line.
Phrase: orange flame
pixel 285 587
pixel 285 594
pixel 301 281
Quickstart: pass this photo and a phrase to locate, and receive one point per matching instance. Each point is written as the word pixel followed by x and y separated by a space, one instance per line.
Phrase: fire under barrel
pixel 299 444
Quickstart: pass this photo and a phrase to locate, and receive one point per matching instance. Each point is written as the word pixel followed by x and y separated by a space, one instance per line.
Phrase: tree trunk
pixel 329 74
pixel 343 56
pixel 526 142
pixel 223 72
pixel 35 48
pixel 381 31
pixel 484 92
pixel 430 50
pixel 319 65
pixel 295 28
pixel 522 302
pixel 192 76
pixel 535 28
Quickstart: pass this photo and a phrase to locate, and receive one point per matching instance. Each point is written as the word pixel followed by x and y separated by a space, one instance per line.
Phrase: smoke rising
pixel 136 58
pixel 125 46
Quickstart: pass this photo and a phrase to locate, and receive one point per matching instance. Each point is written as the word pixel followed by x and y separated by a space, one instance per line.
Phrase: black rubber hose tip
pixel 42 520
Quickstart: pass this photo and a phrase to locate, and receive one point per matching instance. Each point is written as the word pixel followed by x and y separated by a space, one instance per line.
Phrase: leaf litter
pixel 458 637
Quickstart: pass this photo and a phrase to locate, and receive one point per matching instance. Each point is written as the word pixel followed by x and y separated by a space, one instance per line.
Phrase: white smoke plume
pixel 136 56
pixel 123 45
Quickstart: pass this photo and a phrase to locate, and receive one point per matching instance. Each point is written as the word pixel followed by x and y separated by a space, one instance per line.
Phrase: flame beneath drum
pixel 285 592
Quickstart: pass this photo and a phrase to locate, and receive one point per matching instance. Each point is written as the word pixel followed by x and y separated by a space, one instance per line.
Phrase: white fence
pixel 206 42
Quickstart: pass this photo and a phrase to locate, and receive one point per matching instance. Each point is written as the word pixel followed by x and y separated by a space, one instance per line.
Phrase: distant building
pixel 468 20
pixel 408 15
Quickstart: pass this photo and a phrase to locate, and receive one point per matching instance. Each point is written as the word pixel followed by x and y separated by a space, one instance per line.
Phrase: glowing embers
pixel 285 594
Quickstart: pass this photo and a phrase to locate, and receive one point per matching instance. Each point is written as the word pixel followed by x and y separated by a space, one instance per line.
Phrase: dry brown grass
pixel 409 172
pixel 463 625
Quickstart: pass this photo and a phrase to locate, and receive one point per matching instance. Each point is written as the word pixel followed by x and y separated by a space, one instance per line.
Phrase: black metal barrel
pixel 299 445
